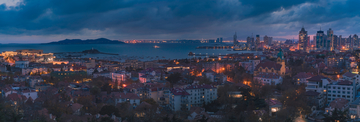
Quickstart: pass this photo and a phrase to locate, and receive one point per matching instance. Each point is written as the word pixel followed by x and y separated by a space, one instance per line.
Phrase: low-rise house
pixel 339 104
pixel 131 98
pixel 354 110
pixel 76 107
pixel 269 78
pixel 274 106
pixel 301 78
pixel 316 100
pixel 317 83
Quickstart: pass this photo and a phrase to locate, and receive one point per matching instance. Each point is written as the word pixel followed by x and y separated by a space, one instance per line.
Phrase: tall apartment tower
pixel 303 38
pixel 257 42
pixel 356 41
pixel 320 39
pixel 330 40
pixel 249 42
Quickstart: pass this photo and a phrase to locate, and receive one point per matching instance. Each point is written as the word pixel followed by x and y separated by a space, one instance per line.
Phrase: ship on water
pixel 156 46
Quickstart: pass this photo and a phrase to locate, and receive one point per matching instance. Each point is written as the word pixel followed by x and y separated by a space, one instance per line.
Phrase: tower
pixel 257 42
pixel 281 60
pixel 303 39
pixel 330 40
pixel 235 39
pixel 320 39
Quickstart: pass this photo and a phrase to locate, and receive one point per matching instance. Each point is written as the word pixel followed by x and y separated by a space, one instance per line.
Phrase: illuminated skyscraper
pixel 303 38
pixel 330 40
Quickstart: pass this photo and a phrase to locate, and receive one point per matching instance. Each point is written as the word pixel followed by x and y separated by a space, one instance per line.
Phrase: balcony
pixel 184 101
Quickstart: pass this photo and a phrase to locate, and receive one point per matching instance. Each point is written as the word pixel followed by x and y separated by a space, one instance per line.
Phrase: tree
pixel 336 116
pixel 109 110
pixel 95 90
pixel 174 78
pixel 150 101
pixel 204 80
pixel 203 119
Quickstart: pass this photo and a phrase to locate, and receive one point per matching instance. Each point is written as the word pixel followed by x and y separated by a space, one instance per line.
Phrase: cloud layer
pixel 48 20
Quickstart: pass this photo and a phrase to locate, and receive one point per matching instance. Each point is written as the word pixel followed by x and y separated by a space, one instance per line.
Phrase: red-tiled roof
pixel 303 75
pixel 317 78
pixel 76 106
pixel 338 103
pixel 178 91
pixel 269 65
pixel 345 82
pixel 268 75
pixel 273 102
pixel 349 74
pixel 199 87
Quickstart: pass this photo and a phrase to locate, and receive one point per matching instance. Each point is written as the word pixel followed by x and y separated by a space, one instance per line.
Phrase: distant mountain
pixel 88 41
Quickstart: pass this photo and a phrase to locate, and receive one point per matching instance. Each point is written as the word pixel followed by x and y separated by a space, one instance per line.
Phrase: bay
pixel 143 51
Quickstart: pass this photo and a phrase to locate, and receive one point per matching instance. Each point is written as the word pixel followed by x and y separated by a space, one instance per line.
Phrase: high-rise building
pixel 355 41
pixel 267 40
pixel 349 43
pixel 303 38
pixel 336 43
pixel 257 42
pixel 330 40
pixel 320 39
pixel 217 40
pixel 221 40
pixel 235 39
pixel 249 41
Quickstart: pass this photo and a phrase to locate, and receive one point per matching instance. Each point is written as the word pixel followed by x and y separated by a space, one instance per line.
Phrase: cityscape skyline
pixel 32 21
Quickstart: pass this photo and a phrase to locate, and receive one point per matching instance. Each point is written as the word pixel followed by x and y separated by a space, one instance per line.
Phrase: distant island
pixel 88 41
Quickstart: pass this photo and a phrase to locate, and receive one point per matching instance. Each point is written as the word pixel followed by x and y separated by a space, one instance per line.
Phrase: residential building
pixel 317 83
pixel 178 99
pixel 303 40
pixel 200 95
pixel 341 89
pixel 120 76
pixel 339 103
pixel 354 110
pixel 269 78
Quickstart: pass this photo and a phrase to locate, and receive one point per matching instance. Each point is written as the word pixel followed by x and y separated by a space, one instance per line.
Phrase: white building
pixel 179 99
pixel 354 110
pixel 249 65
pixel 132 98
pixel 22 64
pixel 301 78
pixel 317 83
pixel 269 78
pixel 120 76
pixel 201 94
pixel 341 89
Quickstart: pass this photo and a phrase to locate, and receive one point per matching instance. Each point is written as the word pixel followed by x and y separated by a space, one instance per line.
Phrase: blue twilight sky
pixel 34 21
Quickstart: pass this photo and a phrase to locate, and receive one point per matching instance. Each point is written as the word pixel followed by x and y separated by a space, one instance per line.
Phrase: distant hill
pixel 88 41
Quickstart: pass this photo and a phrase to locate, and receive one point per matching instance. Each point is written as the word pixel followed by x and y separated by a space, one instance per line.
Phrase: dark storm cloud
pixel 173 18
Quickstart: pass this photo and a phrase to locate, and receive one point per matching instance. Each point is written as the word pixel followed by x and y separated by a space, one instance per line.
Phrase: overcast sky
pixel 34 21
